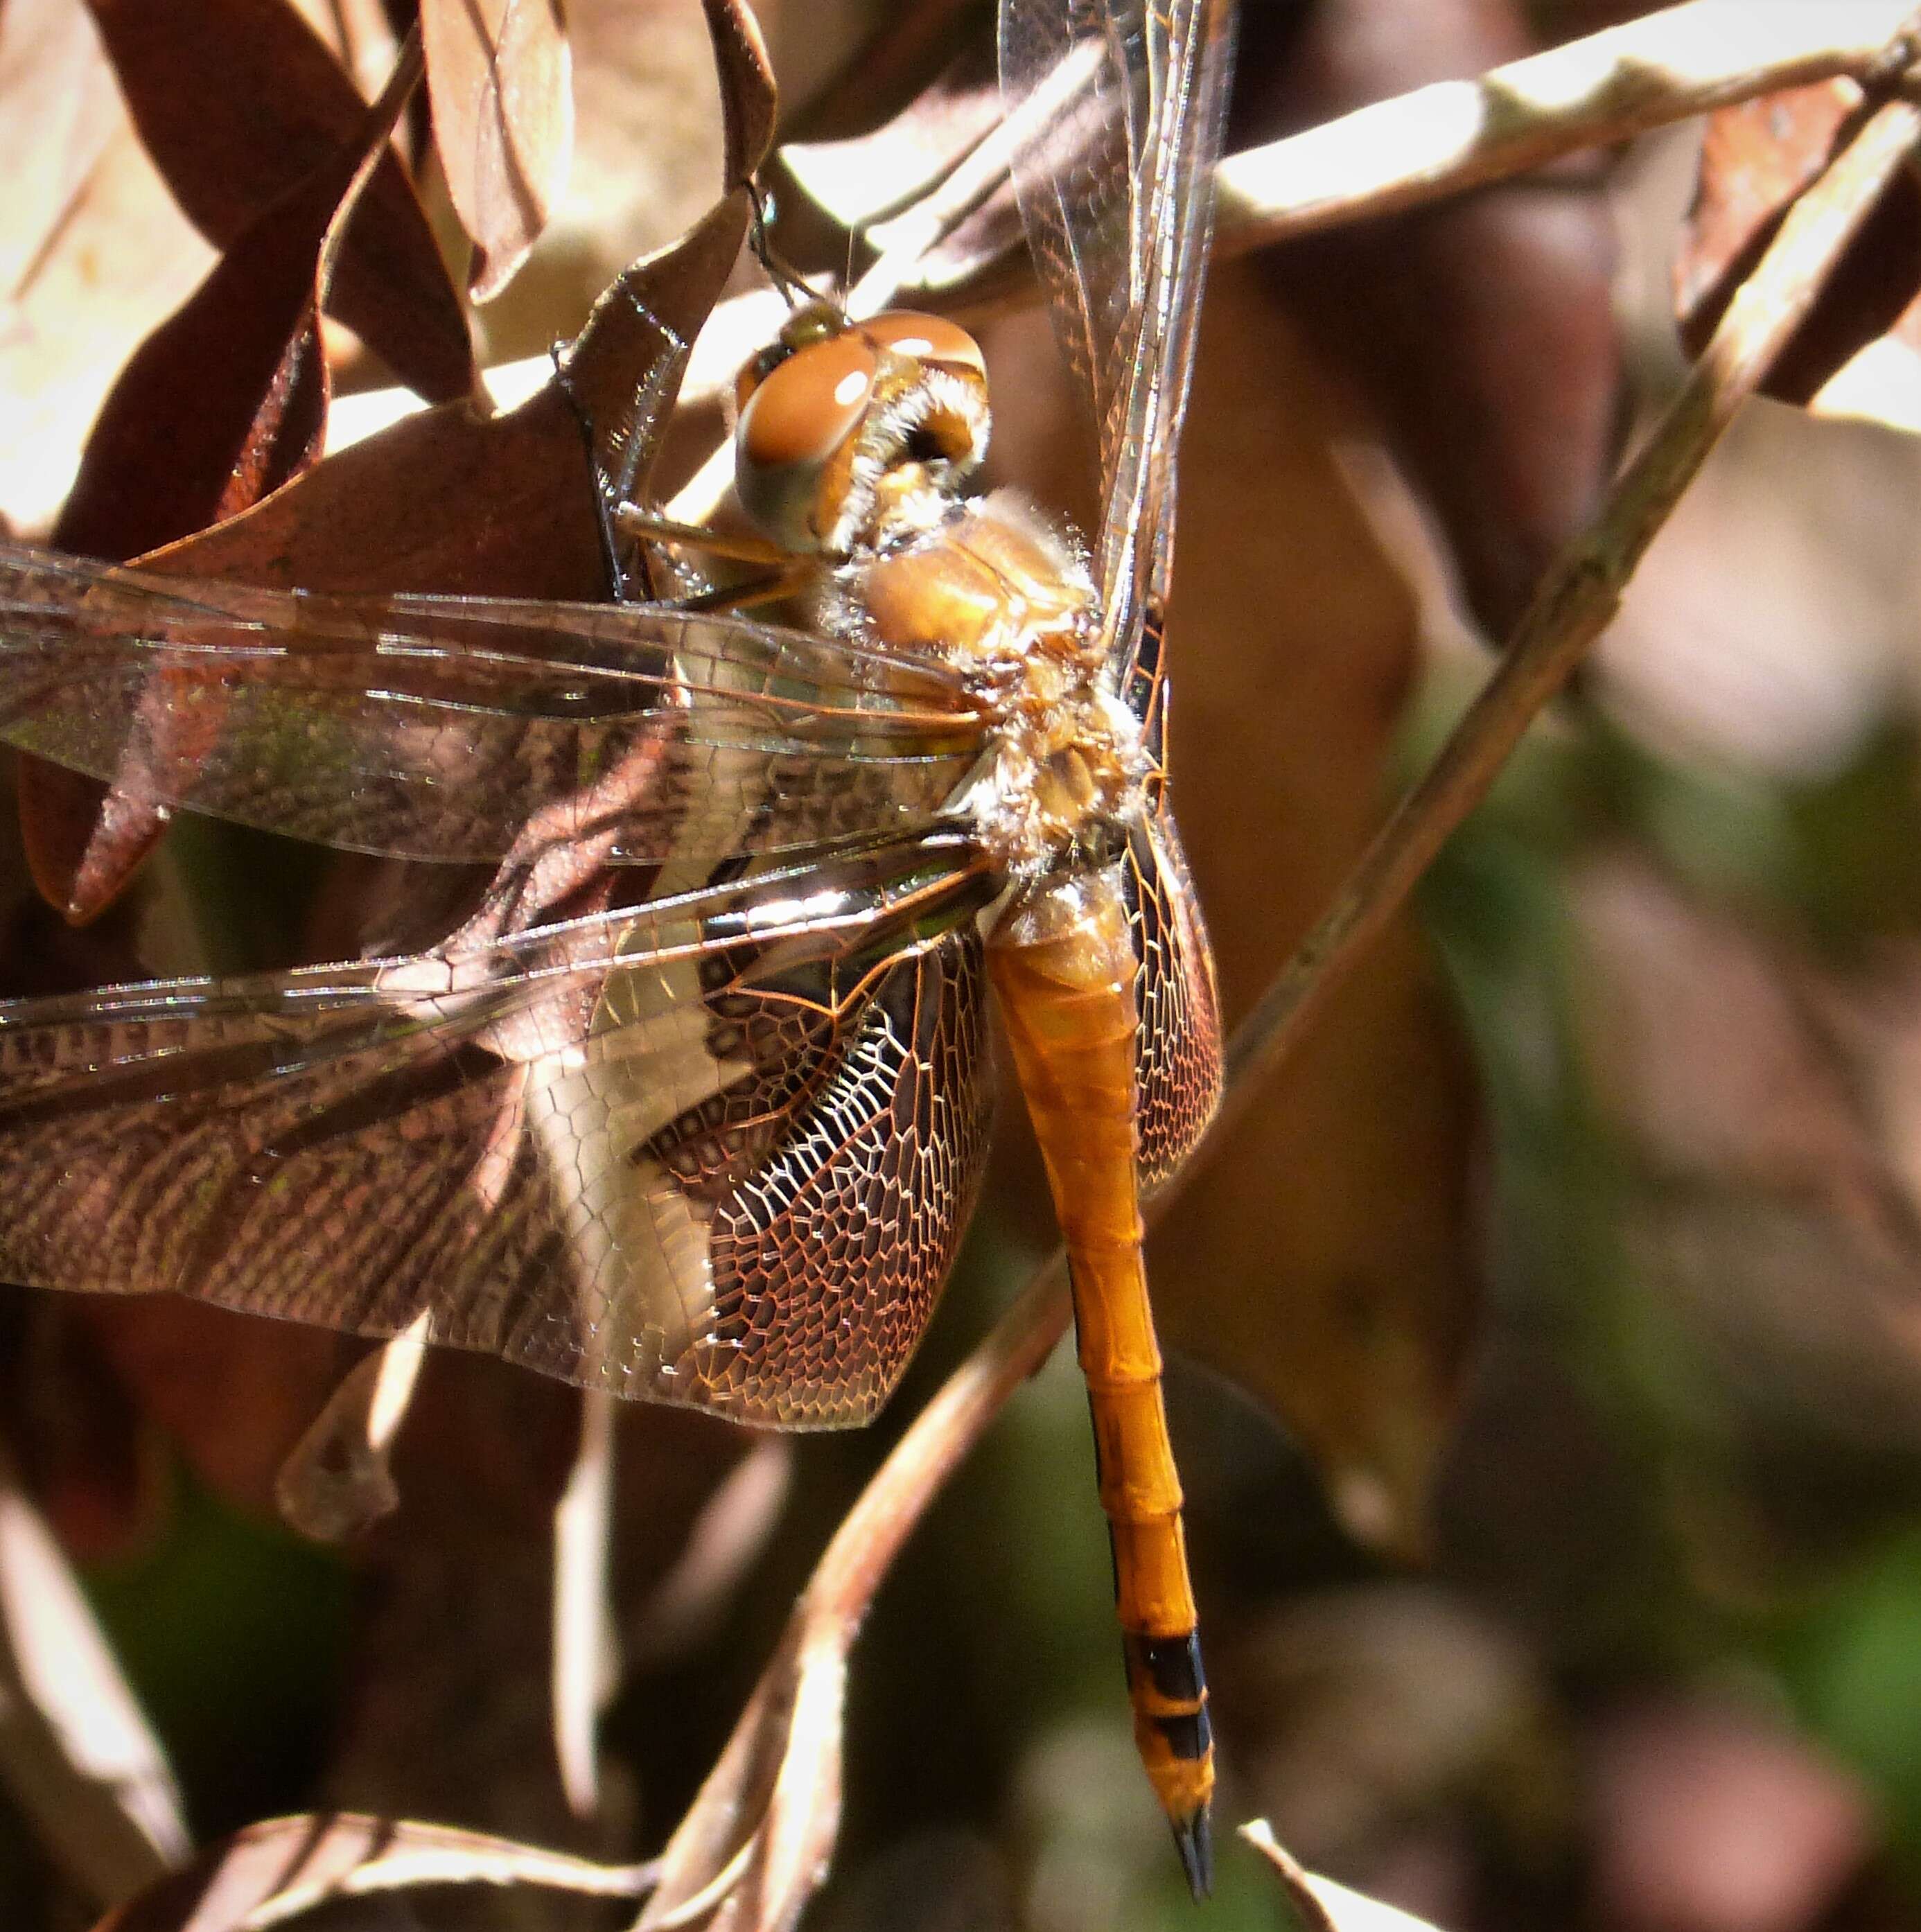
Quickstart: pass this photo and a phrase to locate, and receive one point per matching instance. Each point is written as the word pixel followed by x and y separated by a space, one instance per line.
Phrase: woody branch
pixel 1441 139
pixel 1571 607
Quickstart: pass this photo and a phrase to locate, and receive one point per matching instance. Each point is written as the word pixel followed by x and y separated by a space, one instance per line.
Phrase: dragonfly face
pixel 847 433
pixel 717 1147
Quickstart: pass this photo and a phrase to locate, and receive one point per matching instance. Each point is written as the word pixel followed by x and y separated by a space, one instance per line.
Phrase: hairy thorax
pixel 991 589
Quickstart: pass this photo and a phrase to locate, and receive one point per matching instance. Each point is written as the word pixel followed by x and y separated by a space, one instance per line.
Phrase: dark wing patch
pixel 828 1258
pixel 1177 1067
pixel 474 1135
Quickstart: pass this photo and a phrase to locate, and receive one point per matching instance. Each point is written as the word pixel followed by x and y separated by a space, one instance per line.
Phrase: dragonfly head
pixel 841 428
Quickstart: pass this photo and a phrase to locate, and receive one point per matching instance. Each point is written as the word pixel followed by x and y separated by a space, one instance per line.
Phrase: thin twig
pixel 1572 607
pixel 1439 140
pixel 1416 148
pixel 783 1759
pixel 1582 592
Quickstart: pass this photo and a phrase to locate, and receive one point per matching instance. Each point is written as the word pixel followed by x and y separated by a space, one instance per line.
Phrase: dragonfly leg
pixel 630 519
pixel 768 589
pixel 603 510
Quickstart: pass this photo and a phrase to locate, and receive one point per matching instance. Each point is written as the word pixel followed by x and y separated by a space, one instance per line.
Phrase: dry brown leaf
pixel 222 404
pixel 359 33
pixel 1322 1905
pixel 238 102
pixel 1323 1259
pixel 1756 158
pixel 75 1750
pixel 647 150
pixel 962 241
pixel 500 72
pixel 93 250
pixel 863 177
pixel 270 1874
pixel 653 123
pixel 450 500
pixel 749 102
pixel 1483 330
pixel 903 50
pixel 82 850
pixel 61 112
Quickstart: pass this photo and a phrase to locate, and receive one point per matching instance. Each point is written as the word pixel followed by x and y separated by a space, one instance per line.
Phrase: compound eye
pixel 791 426
pixel 927 338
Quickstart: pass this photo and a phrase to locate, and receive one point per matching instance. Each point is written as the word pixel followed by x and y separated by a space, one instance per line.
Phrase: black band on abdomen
pixel 1171 1664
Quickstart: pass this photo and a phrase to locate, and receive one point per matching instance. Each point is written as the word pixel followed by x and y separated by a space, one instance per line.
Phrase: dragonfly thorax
pixel 853 441
pixel 999 595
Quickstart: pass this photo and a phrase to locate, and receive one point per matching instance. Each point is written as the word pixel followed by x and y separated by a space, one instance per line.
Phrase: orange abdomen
pixel 1063 967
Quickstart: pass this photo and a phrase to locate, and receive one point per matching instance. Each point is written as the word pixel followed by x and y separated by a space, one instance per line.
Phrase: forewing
pixel 717 1150
pixel 1074 93
pixel 1117 192
pixel 437 727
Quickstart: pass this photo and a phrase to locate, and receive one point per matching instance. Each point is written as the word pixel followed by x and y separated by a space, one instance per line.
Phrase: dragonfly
pixel 713 1140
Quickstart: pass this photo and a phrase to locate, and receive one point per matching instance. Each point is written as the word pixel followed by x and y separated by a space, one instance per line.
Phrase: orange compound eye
pixel 807 406
pixel 792 425
pixel 927 338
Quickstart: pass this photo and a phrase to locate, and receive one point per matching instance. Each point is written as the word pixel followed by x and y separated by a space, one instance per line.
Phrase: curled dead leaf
pixel 1756 158
pixel 749 102
pixel 220 405
pixel 454 501
pixel 237 103
pixel 270 1873
pixel 859 180
pixel 338 1479
pixel 500 76
pixel 1324 1906
pixel 94 251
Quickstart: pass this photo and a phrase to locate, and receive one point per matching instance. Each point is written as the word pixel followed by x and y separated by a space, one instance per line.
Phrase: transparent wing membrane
pixel 717 1150
pixel 1117 192
pixel 436 728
